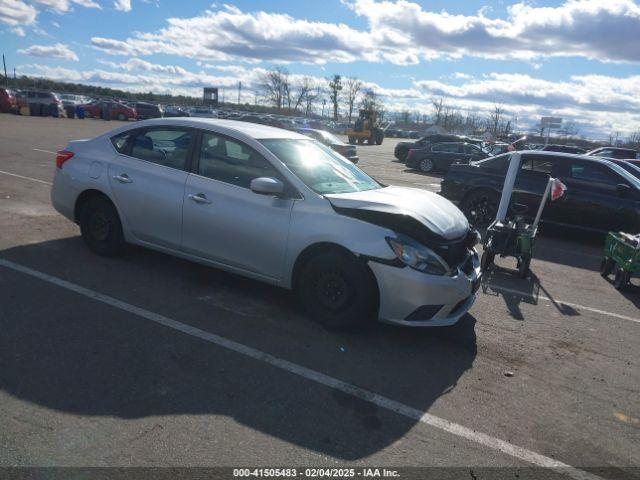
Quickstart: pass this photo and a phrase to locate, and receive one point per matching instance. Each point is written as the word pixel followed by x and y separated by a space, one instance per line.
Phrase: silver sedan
pixel 275 206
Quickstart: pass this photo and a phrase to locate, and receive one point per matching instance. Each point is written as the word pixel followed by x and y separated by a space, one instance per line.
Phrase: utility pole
pixel 6 79
pixel 239 91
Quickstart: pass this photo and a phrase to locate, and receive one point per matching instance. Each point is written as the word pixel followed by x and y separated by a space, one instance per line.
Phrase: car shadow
pixel 439 175
pixel 72 354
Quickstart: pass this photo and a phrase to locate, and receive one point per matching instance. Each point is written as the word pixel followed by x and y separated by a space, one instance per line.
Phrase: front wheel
pixel 487 260
pixel 606 267
pixel 101 228
pixel 336 290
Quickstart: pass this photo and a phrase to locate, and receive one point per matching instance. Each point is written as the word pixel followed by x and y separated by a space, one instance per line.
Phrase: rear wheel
pixel 621 278
pixel 100 227
pixel 336 290
pixel 481 207
pixel 606 267
pixel 426 165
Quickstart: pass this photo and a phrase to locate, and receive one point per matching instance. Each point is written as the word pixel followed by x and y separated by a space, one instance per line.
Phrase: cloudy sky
pixel 578 59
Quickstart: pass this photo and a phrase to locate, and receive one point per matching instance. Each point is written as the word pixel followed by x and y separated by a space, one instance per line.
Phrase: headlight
pixel 417 256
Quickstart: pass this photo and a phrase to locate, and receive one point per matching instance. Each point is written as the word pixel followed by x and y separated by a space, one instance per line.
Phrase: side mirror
pixel 622 189
pixel 267 186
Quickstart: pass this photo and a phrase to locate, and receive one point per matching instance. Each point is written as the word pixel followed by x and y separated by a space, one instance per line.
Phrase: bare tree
pixel 310 99
pixel 275 86
pixel 353 90
pixel 301 92
pixel 438 106
pixel 494 119
pixel 335 86
pixel 370 100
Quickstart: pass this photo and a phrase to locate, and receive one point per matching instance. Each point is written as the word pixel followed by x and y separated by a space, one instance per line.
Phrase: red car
pixel 109 110
pixel 8 100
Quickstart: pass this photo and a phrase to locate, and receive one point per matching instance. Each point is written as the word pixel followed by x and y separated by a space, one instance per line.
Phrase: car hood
pixel 402 208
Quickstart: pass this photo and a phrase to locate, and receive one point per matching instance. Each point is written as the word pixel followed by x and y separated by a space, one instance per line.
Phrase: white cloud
pixel 19 31
pixel 17 12
pixel 599 104
pixel 62 6
pixel 122 5
pixel 400 32
pixel 605 30
pixel 57 50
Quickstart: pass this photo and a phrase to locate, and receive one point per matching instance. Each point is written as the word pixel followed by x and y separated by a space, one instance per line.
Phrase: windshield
pixel 626 175
pixel 330 137
pixel 322 170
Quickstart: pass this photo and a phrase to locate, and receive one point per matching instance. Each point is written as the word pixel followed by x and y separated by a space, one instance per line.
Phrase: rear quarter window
pixel 121 141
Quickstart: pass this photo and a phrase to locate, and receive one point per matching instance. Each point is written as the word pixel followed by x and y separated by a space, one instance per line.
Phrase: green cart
pixel 621 256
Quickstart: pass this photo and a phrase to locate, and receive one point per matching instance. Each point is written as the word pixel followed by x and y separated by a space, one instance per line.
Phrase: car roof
pixel 253 130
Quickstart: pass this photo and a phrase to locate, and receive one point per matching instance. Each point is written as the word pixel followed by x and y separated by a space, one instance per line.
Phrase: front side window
pixel 231 161
pixel 537 164
pixel 592 172
pixel 168 147
pixel 318 167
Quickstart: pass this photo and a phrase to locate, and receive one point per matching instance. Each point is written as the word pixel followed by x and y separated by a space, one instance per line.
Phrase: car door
pixel 148 178
pixel 593 198
pixel 224 221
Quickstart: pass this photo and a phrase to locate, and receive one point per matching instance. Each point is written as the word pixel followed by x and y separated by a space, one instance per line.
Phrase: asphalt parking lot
pixel 148 360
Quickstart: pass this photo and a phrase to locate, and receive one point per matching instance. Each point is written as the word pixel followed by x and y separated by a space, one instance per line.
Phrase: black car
pixel 175 111
pixel 563 148
pixel 600 195
pixel 147 110
pixel 402 148
pixel 440 156
pixel 330 140
pixel 614 152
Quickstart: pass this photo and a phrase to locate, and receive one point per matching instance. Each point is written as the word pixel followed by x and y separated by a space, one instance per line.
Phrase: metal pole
pixel 239 91
pixel 6 79
pixel 542 204
pixel 507 189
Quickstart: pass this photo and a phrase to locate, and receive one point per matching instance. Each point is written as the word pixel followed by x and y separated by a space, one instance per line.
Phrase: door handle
pixel 199 198
pixel 123 178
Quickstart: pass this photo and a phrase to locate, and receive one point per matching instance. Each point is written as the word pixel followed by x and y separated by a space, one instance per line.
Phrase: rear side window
pixel 537 164
pixel 121 141
pixel 168 147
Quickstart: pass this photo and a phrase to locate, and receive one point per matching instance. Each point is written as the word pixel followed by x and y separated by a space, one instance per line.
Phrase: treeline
pixel 305 95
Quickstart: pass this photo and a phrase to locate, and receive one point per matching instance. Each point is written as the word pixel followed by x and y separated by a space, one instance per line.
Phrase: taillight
pixel 62 156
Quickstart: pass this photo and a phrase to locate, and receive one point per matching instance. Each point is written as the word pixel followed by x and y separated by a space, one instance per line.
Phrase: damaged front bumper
pixel 416 299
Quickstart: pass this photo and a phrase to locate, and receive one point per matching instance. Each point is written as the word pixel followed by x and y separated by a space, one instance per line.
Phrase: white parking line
pixel 315 376
pixel 25 178
pixel 562 302
pixel 45 151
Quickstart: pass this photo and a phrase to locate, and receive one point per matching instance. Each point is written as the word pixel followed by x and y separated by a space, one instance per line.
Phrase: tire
pixel 486 262
pixel 379 138
pixel 352 140
pixel 523 267
pixel 621 278
pixel 426 165
pixel 101 228
pixel 402 154
pixel 606 267
pixel 360 140
pixel 337 291
pixel 122 117
pixel 480 207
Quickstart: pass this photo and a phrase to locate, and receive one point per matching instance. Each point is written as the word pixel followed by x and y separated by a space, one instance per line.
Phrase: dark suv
pixel 614 152
pixel 402 148
pixel 440 156
pixel 600 195
pixel 146 110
